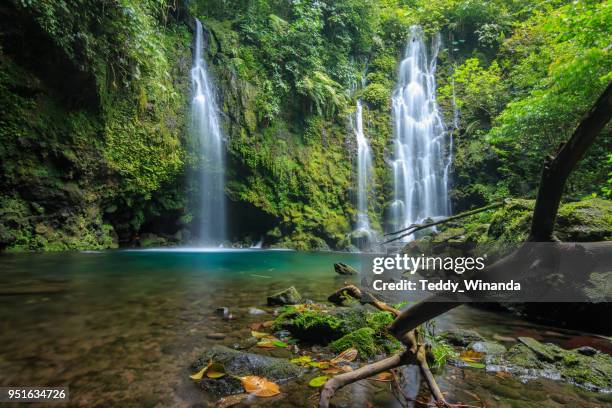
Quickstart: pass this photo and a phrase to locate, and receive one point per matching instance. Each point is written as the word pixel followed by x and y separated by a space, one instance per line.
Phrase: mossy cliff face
pixel 285 73
pixel 93 104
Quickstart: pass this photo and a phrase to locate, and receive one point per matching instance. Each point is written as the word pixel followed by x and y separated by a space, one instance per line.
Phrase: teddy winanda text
pixel 468 285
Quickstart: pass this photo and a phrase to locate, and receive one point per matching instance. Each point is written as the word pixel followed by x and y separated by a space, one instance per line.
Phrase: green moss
pixel 363 340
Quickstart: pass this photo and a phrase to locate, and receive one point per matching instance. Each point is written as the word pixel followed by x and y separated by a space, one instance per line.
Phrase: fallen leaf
pixel 256 326
pixel 346 356
pixel 215 370
pixel 268 323
pixel 319 364
pixel 259 335
pixel 346 368
pixel 198 376
pixel 318 381
pixel 384 376
pixel 471 356
pixel 279 343
pixel 266 343
pixel 333 370
pixel 259 386
pixel 231 400
pixel 303 360
pixel 475 365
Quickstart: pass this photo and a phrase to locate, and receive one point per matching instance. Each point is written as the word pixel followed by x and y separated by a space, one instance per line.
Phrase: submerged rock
pixel 461 337
pixel 344 269
pixel 255 311
pixel 238 364
pixel 289 296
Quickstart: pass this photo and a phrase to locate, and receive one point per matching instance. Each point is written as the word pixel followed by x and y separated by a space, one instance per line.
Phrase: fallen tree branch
pixel 339 381
pixel 363 297
pixel 417 227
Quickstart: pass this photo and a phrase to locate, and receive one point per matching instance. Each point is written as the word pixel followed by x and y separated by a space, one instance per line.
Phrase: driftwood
pixel 554 176
pixel 418 227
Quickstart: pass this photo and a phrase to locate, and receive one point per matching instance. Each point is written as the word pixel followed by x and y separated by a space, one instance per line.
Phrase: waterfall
pixel 422 146
pixel 207 134
pixel 362 234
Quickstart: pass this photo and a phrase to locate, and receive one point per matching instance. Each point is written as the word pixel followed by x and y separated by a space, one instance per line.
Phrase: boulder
pixel 490 348
pixel 289 296
pixel 238 364
pixel 530 358
pixel 461 337
pixel 344 269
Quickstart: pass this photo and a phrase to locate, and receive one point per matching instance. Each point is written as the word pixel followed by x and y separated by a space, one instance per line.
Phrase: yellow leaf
pixel 259 335
pixel 198 376
pixel 346 356
pixel 215 370
pixel 259 386
pixel 266 343
pixel 471 356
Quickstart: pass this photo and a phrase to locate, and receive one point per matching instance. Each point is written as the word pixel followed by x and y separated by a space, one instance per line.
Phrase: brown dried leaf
pixel 346 356
pixel 259 386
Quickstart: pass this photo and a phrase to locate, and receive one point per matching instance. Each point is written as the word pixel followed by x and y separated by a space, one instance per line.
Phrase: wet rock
pixel 490 348
pixel 238 363
pixel 344 269
pixel 543 351
pixel 530 358
pixel 255 311
pixel 587 351
pixel 461 337
pixel 289 296
pixel 215 336
pixel 224 312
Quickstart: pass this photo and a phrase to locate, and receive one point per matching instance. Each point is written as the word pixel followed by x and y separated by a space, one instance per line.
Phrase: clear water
pixel 121 328
pixel 422 150
pixel 363 232
pixel 210 148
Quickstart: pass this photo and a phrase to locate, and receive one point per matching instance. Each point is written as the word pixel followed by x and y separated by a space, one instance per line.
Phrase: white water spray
pixel 206 130
pixel 362 232
pixel 422 146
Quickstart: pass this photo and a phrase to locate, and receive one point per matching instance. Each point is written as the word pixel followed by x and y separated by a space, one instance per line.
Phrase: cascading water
pixel 363 233
pixel 206 130
pixel 422 146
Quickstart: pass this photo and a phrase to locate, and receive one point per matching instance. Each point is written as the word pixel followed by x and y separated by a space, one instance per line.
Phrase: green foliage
pixel 96 121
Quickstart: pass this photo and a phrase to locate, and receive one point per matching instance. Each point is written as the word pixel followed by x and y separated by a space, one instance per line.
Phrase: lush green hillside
pixel 94 106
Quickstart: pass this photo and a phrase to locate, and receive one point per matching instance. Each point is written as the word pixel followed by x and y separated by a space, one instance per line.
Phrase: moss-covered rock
pixel 289 296
pixel 239 363
pixel 531 357
pixel 362 339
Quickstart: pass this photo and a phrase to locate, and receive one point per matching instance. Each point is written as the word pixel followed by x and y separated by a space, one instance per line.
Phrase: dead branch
pixel 417 227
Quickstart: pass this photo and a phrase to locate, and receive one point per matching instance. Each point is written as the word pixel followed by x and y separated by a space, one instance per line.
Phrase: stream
pixel 121 328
